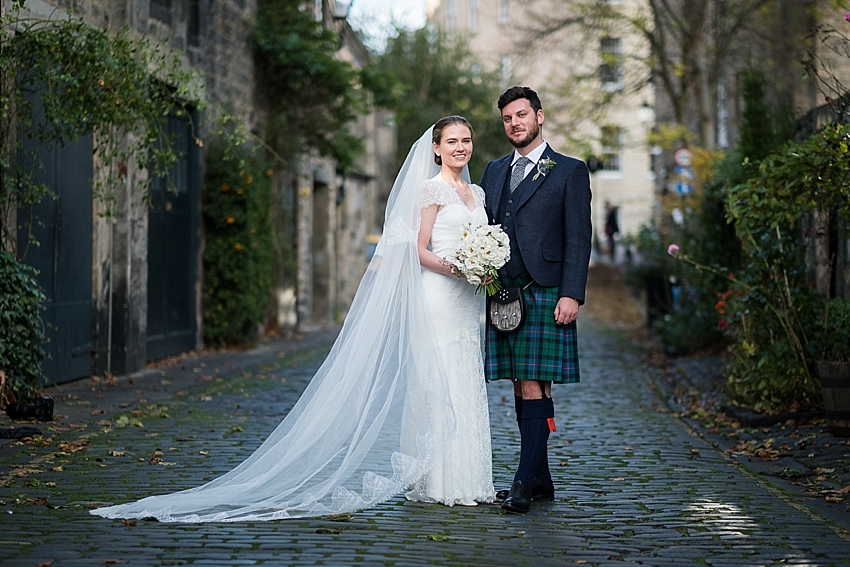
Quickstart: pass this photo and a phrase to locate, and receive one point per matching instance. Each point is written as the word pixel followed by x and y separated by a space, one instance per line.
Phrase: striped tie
pixel 519 172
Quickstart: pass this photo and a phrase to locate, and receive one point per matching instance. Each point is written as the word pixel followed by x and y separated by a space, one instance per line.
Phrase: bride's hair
pixel 441 124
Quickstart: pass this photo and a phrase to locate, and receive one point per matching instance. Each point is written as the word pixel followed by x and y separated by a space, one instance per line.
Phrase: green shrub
pixel 781 326
pixel 836 331
pixel 21 330
pixel 682 311
pixel 239 248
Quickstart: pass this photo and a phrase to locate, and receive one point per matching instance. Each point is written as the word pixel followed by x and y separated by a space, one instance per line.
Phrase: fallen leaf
pixel 45 564
pixel 619 479
pixel 128 522
pixel 845 490
pixel 73 447
pixel 438 537
pixel 116 453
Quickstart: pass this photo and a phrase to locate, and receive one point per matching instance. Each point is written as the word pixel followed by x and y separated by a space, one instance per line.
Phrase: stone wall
pixel 212 39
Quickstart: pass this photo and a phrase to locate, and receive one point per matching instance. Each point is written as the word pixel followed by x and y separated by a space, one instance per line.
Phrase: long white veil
pixel 363 430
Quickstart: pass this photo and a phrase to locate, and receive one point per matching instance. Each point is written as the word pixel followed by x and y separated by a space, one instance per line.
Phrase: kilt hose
pixel 540 349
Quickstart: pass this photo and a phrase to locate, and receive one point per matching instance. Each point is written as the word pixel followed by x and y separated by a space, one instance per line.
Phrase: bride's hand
pixel 457 273
pixel 452 269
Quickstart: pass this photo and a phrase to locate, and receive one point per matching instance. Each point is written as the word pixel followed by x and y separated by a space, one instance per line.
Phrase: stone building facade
pixel 140 270
pixel 498 34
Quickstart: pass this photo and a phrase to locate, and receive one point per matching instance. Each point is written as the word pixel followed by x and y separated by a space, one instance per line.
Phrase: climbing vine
pixel 239 254
pixel 65 79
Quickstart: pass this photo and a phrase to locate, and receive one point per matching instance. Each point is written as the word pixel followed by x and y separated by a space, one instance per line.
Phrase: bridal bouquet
pixel 481 252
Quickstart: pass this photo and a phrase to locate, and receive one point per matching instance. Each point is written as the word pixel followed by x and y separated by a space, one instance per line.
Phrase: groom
pixel 542 200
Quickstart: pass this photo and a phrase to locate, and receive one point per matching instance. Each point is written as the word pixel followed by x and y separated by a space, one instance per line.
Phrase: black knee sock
pixel 543 474
pixel 518 409
pixel 534 434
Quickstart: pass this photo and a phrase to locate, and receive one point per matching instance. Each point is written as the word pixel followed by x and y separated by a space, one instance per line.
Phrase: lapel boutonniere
pixel 544 166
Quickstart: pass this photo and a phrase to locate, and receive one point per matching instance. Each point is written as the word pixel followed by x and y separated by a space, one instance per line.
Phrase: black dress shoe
pixel 519 498
pixel 540 492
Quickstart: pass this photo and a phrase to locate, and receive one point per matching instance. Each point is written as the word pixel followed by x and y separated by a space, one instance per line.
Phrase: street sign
pixel 683 157
pixel 684 188
pixel 684 173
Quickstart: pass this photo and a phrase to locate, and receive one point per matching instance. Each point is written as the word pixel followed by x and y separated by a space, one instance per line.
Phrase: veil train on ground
pixel 363 429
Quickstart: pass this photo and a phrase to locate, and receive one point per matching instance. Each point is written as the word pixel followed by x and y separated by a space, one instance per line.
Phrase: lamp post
pixel 341 9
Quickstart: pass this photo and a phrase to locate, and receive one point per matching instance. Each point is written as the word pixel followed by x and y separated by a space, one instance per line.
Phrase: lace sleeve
pixel 433 193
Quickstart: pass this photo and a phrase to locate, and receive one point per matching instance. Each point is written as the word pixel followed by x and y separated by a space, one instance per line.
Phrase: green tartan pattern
pixel 540 349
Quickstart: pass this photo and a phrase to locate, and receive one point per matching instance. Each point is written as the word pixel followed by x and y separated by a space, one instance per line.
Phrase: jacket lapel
pixel 529 185
pixel 495 183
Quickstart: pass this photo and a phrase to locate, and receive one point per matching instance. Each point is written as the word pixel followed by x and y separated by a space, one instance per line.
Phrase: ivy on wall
pixel 64 79
pixel 21 331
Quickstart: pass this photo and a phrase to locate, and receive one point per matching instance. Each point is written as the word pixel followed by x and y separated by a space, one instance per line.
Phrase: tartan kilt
pixel 539 349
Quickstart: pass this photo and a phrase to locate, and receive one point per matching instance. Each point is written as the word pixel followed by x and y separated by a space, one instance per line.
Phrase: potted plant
pixel 834 366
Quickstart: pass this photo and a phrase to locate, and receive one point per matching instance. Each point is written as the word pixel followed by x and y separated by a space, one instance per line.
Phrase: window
pixel 506 68
pixel 193 26
pixel 504 12
pixel 161 10
pixel 611 70
pixel 451 16
pixel 612 148
pixel 473 16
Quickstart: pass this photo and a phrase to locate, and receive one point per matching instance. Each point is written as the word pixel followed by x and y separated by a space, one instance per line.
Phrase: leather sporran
pixel 506 309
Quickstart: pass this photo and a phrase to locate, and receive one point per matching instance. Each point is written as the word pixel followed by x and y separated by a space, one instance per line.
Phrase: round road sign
pixel 683 157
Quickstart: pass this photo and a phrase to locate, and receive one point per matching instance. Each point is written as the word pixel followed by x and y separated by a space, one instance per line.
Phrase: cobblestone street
pixel 634 484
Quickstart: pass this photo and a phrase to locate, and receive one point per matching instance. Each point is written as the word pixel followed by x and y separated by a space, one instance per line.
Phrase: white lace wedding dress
pixel 398 405
pixel 462 471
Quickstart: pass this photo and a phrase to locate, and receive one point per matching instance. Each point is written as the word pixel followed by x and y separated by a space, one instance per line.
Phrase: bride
pixel 399 403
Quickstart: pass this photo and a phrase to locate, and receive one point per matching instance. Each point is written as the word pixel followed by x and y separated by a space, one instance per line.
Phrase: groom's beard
pixel 530 136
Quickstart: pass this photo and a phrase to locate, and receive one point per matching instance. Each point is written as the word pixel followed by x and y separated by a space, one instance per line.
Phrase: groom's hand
pixel 566 311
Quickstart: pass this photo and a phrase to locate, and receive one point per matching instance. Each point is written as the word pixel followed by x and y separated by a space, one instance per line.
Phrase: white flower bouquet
pixel 481 252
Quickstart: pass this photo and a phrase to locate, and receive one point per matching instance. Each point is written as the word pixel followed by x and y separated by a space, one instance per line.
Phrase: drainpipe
pixel 112 223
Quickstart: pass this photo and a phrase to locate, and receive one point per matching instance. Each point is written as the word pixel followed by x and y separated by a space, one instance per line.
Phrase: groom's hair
pixel 437 133
pixel 516 93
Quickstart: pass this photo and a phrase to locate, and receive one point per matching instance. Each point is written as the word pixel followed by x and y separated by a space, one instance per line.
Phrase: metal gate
pixel 173 250
pixel 62 226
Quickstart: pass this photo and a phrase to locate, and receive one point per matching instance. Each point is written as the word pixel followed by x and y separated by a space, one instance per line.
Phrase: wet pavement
pixel 638 482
